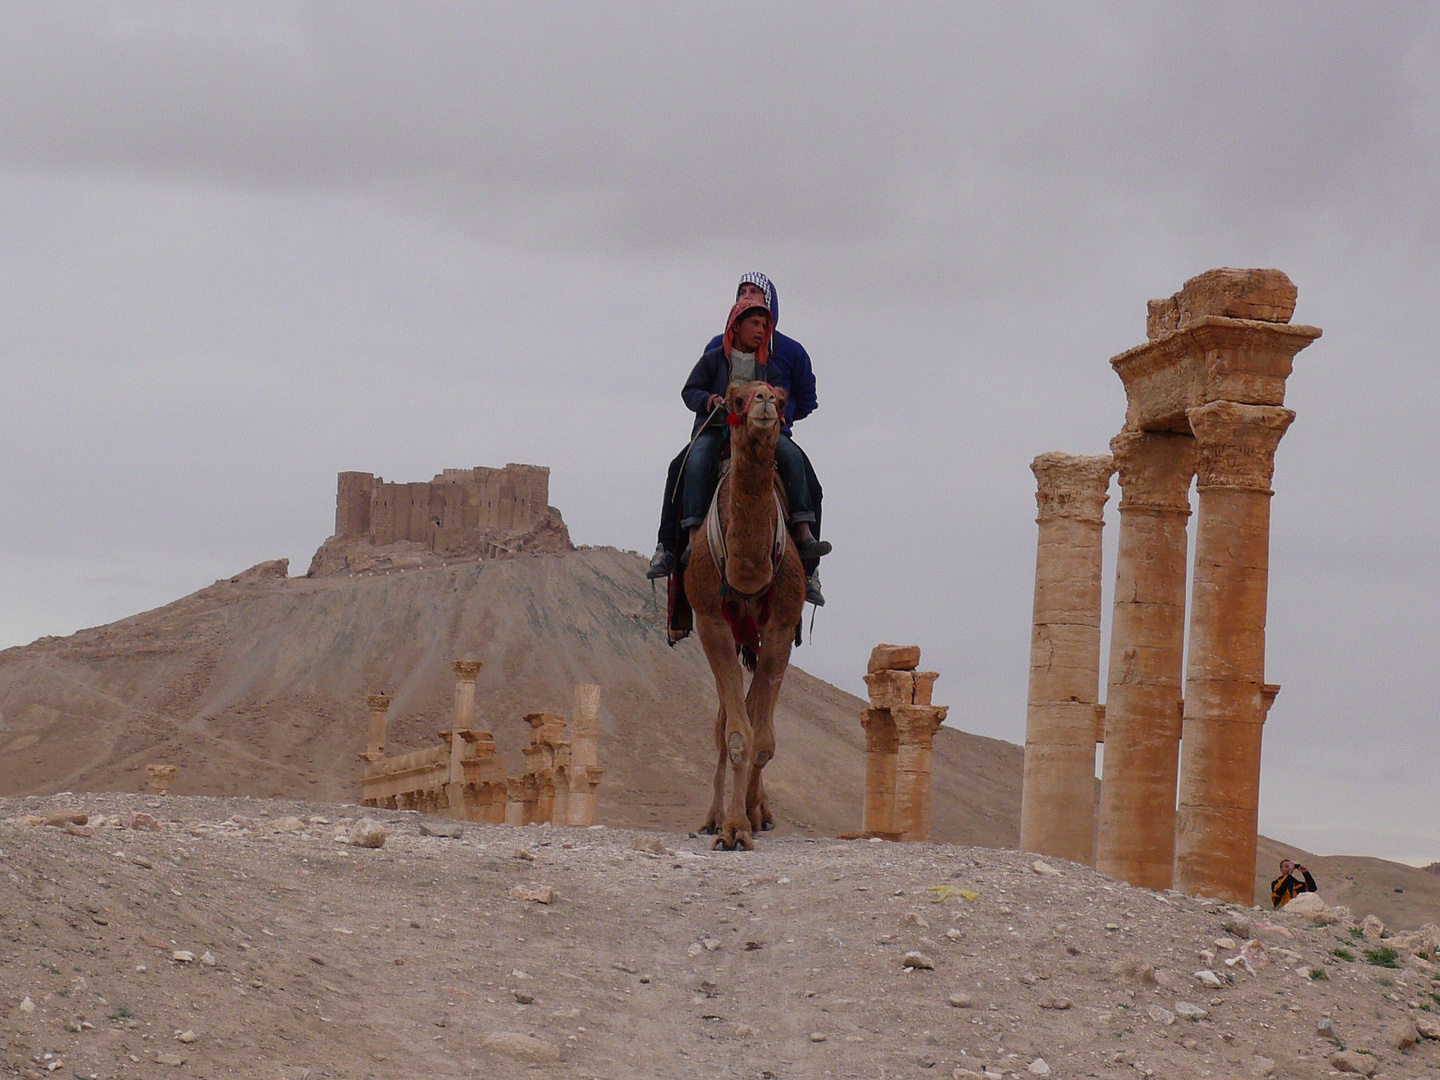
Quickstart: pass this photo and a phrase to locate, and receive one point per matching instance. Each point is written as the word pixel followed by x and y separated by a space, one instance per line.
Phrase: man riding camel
pixel 750 349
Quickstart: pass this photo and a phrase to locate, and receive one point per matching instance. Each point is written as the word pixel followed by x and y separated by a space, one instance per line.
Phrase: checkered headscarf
pixel 754 277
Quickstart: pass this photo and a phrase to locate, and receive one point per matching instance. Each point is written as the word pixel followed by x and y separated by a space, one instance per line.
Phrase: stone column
pixel 379 718
pixel 915 727
pixel 1225 689
pixel 1057 801
pixel 1136 841
pixel 881 745
pixel 465 674
pixel 585 771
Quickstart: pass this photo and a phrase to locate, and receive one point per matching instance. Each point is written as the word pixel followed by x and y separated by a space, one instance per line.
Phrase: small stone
pixel 1189 1011
pixel 652 845
pixel 141 820
pixel 525 1047
pixel 183 956
pixel 1039 1067
pixel 1044 869
pixel 186 1037
pixel 142 862
pixel 1305 903
pixel 1189 1044
pixel 1057 1003
pixel 914 918
pixel 1428 1027
pixel 539 894
pixel 367 833
pixel 1112 926
pixel 953 934
pixel 1326 1029
pixel 710 944
pixel 288 825
pixel 169 1059
pixel 961 1001
pixel 446 830
pixel 894 658
pixel 817 1036
pixel 27 1006
pixel 1259 1066
pixel 207 958
pixel 1208 978
pixel 521 853
pixel 1372 928
pixel 694 949
pixel 1238 926
pixel 524 997
pixel 918 960
pixel 1347 1061
pixel 67 817
pixel 1161 1015
pixel 1225 943
pixel 79 830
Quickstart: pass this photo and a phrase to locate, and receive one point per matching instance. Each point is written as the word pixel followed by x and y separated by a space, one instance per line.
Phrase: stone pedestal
pixel 1225 689
pixel 1057 807
pixel 1136 841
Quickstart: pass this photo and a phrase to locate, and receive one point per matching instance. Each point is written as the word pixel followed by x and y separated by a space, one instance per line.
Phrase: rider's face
pixel 751 294
pixel 750 332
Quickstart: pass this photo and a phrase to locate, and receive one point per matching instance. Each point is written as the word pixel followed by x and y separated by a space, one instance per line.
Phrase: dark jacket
pixel 711 375
pixel 1286 887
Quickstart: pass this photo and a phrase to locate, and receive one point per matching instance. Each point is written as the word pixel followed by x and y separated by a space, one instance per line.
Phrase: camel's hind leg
pixel 739 738
pixel 773 660
pixel 717 803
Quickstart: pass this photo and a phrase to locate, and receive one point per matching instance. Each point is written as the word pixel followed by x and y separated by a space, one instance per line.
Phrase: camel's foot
pixel 710 828
pixel 734 838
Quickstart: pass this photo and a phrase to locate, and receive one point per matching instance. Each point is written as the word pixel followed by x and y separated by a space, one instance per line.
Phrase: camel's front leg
pixel 717 802
pixel 730 685
pixel 770 669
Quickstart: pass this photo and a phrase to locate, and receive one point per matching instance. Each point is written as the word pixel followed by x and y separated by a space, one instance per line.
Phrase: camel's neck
pixel 750 523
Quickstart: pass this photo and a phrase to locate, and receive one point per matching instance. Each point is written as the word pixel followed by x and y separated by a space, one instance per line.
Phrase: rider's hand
pixel 716 402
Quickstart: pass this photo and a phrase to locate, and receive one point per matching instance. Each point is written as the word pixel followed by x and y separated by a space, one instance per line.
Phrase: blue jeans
pixel 702 473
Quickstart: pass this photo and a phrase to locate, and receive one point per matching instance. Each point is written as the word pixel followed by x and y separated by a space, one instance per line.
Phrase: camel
pixel 754 609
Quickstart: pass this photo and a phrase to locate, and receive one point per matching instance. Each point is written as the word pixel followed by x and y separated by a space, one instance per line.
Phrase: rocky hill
pixel 256 685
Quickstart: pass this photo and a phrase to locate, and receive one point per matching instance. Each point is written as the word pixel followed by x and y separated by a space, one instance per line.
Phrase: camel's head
pixel 757 407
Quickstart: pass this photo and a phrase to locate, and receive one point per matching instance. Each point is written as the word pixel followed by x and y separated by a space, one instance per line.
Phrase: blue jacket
pixel 789 368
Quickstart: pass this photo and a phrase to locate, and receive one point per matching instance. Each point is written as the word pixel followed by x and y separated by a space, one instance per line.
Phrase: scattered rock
pixel 521 853
pixel 142 862
pixel 525 1047
pixel 1347 1061
pixel 1372 928
pixel 1259 1066
pixel 1255 955
pixel 540 894
pixel 1225 943
pixel 186 1037
pixel 1038 1067
pixel 288 825
pixel 524 997
pixel 1326 1029
pixel 141 820
pixel 961 1001
pixel 1161 1015
pixel 1206 977
pixel 152 941
pixel 1058 1003
pixel 66 817
pixel 1189 1011
pixel 1238 926
pixel 817 1036
pixel 1305 903
pixel 710 944
pixel 651 844
pixel 1044 869
pixel 208 958
pixel 914 918
pixel 367 833
pixel 1401 1035
pixel 1428 1027
pixel 918 960
pixel 446 830
pixel 27 1006
pixel 183 956
pixel 79 830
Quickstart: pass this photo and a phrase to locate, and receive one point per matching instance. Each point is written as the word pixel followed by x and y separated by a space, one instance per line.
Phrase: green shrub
pixel 1318 974
pixel 1341 953
pixel 1356 933
pixel 1383 956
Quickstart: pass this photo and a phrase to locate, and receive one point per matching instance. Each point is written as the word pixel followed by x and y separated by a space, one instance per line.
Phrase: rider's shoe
pixel 812 590
pixel 661 564
pixel 813 549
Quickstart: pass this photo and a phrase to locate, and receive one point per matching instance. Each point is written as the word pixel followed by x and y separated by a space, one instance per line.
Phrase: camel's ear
pixel 735 398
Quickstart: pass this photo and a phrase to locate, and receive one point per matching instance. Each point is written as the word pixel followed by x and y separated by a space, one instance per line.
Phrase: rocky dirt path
pixel 242 939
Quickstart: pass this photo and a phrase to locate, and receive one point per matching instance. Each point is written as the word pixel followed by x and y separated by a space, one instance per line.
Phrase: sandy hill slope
pixel 256 686
pixel 240 940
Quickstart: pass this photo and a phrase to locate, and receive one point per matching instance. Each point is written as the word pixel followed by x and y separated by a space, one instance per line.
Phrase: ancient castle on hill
pixel 461 512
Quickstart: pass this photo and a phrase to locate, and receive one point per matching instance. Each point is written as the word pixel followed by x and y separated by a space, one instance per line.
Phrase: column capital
pixel 880 734
pixel 377 702
pixel 467 669
pixel 916 725
pixel 1155 470
pixel 1072 485
pixel 1237 443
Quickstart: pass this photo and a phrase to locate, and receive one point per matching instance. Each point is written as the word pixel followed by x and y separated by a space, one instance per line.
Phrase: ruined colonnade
pixel 1179 795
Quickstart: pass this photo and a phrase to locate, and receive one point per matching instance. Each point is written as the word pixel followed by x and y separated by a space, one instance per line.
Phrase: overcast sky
pixel 247 246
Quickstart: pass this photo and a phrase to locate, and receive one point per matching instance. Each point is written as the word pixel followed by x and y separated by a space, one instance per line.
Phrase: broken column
pixel 900 728
pixel 464 722
pixel 1057 799
pixel 1225 690
pixel 1136 841
pixel 379 719
pixel 584 773
pixel 159 779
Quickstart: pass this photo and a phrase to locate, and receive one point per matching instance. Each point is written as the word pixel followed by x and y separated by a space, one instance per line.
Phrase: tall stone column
pixel 465 672
pixel 915 728
pixel 379 718
pixel 585 771
pixel 1057 801
pixel 881 747
pixel 1136 842
pixel 1225 690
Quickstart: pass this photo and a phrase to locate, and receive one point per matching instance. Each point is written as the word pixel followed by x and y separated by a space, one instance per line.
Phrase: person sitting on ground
pixel 787 366
pixel 1288 886
pixel 741 358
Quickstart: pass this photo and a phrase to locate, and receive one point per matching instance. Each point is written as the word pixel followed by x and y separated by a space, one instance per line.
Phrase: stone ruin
pixel 159 779
pixel 1179 794
pixel 461 513
pixel 464 778
pixel 900 727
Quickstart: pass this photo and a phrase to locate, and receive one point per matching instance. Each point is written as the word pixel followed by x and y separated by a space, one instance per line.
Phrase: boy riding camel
pixel 744 354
